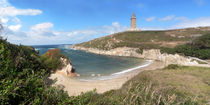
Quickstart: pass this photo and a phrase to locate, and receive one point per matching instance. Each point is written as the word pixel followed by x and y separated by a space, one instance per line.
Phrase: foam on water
pixel 129 70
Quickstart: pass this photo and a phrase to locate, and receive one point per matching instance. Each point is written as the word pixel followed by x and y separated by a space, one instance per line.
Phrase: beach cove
pixel 74 87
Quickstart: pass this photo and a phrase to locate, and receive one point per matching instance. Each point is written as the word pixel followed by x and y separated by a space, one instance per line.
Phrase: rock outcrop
pixel 67 68
pixel 64 65
pixel 152 54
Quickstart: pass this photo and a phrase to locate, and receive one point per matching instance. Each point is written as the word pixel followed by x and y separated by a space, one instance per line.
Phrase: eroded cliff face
pixel 67 69
pixel 152 54
pixel 58 62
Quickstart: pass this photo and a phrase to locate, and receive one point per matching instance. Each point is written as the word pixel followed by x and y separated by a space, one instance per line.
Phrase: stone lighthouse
pixel 133 23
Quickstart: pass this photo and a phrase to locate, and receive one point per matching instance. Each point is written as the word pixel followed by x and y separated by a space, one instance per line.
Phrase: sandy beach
pixel 75 87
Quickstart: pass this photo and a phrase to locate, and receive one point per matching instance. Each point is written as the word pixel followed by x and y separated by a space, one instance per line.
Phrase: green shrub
pixel 202 42
pixel 173 66
pixel 52 59
pixel 198 48
pixel 140 51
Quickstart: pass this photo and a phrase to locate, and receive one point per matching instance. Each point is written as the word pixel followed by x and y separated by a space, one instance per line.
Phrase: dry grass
pixel 180 85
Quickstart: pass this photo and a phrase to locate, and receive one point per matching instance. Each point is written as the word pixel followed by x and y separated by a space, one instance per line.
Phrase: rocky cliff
pixel 67 68
pixel 152 54
pixel 58 62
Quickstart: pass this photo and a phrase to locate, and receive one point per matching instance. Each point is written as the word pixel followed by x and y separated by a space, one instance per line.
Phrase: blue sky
pixel 35 22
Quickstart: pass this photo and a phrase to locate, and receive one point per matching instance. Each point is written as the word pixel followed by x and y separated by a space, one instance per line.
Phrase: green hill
pixel 189 42
pixel 146 39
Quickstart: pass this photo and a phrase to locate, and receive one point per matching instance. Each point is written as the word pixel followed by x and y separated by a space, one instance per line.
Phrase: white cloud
pixel 42 26
pixel 173 18
pixel 82 32
pixel 6 10
pixel 42 29
pixel 9 13
pixel 15 27
pixel 182 18
pixel 184 22
pixel 199 2
pixel 12 11
pixel 3 3
pixel 88 34
pixel 150 19
pixel 167 18
pixel 4 20
pixel 204 21
pixel 43 34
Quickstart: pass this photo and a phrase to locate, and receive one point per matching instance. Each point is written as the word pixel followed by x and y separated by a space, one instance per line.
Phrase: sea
pixel 91 66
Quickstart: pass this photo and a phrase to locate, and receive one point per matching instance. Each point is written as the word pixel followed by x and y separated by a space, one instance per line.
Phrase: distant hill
pixel 146 39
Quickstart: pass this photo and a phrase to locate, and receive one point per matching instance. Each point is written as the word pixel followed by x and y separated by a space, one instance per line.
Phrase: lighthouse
pixel 133 23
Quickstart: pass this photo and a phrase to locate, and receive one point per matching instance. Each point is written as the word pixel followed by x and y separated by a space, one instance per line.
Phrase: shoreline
pixel 117 74
pixel 75 87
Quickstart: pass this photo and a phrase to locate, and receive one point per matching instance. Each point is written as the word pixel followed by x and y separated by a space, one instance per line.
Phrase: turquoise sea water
pixel 92 66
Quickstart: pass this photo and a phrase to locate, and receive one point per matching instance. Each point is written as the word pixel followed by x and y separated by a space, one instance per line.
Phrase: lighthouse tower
pixel 133 23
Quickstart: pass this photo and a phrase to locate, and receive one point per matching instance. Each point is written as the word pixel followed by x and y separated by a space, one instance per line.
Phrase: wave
pixel 129 70
pixel 114 75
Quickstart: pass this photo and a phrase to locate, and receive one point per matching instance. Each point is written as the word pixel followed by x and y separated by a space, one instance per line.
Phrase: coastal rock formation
pixel 152 54
pixel 67 68
pixel 61 64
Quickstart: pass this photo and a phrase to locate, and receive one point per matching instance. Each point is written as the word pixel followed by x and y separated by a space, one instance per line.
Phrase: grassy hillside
pixel 174 85
pixel 146 39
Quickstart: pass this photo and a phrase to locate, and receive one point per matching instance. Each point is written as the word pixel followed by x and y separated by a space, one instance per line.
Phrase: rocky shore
pixel 151 54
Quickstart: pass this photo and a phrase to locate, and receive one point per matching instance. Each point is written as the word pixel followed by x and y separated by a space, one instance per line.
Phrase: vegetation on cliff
pixel 199 47
pixel 52 59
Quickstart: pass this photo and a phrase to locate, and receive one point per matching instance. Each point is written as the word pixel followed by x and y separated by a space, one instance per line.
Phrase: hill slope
pixel 146 39
pixel 23 76
pixel 174 85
